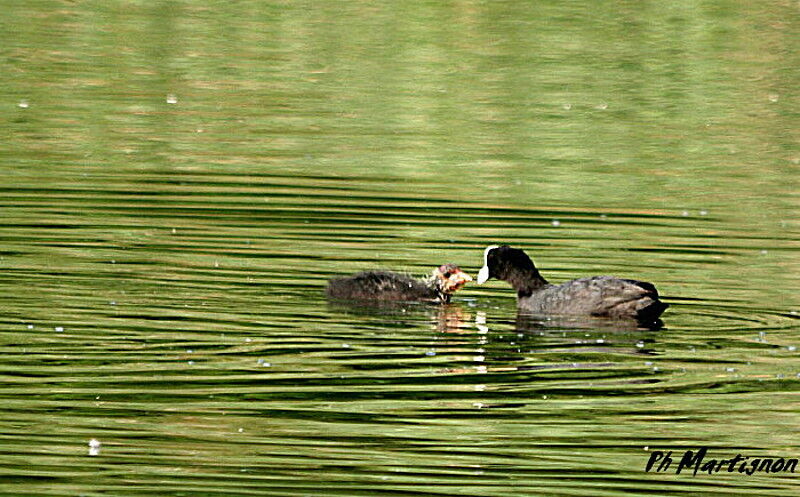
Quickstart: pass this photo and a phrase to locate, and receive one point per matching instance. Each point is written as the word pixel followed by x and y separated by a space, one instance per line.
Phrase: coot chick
pixel 603 296
pixel 389 286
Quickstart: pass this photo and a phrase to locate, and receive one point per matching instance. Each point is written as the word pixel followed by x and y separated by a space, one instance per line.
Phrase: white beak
pixel 483 275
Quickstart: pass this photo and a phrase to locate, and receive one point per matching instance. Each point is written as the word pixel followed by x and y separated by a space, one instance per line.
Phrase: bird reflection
pixel 492 349
pixel 452 318
pixel 532 322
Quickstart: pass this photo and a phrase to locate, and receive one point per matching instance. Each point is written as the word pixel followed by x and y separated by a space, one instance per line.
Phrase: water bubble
pixel 773 97
pixel 191 363
pixel 241 430
pixel 172 99
pixel 763 252
pixel 791 348
pixel 23 104
pixel 430 353
pixel 703 213
pixel 345 345
pixel 730 370
pixel 94 447
pixel 556 223
pixel 685 213
pixel 566 106
pixel 639 345
pixel 59 329
pixel 30 326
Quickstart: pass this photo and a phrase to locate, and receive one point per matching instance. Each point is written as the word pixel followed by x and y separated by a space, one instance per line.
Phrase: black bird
pixel 389 286
pixel 604 296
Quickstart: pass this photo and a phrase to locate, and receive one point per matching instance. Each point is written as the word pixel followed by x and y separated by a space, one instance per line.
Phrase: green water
pixel 180 178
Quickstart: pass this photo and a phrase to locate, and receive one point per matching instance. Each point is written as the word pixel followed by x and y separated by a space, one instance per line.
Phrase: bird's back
pixel 379 285
pixel 597 296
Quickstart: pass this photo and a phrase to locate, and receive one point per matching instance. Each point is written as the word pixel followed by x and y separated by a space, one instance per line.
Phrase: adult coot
pixel 390 286
pixel 596 296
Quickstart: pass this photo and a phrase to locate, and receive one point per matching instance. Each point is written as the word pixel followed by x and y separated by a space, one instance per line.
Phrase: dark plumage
pixel 596 296
pixel 389 286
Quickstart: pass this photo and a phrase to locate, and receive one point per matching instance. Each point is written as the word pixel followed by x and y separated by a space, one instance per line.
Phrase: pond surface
pixel 179 180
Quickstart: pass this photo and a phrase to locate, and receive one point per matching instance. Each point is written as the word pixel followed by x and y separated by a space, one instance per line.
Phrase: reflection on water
pixel 528 322
pixel 180 180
